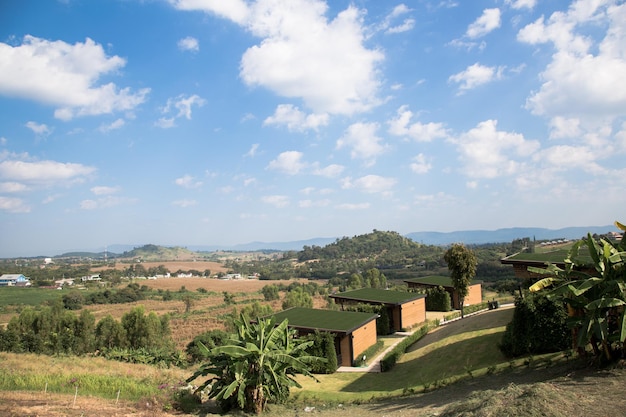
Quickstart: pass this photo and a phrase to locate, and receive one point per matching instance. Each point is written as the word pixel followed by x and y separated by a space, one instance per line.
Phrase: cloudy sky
pixel 202 122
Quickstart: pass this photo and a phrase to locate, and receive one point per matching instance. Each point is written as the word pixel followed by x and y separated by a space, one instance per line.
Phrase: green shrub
pixel 438 299
pixel 369 353
pixel 539 325
pixel 400 349
pixel 210 339
pixel 323 347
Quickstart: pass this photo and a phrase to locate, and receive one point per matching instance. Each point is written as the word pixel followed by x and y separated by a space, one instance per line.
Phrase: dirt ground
pixel 173 266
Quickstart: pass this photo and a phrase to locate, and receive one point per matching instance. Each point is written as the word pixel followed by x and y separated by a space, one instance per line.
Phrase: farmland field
pixel 172 266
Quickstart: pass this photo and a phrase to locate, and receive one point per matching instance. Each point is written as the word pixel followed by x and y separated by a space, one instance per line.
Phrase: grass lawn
pixel 454 351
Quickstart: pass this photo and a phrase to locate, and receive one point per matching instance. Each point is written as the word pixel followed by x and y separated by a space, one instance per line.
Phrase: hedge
pixel 400 349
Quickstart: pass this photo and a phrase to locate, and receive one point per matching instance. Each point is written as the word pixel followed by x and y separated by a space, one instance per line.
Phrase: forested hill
pixel 158 253
pixel 386 247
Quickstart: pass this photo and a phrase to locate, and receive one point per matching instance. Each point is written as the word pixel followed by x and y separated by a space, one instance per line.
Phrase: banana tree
pixel 594 290
pixel 257 365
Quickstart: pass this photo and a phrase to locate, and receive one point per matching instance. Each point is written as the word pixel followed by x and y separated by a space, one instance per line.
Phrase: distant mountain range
pixel 469 237
pixel 477 237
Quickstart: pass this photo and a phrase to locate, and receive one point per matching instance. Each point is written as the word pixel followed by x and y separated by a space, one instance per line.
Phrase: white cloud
pixel 39 129
pixel 584 80
pixel 184 203
pixel 12 187
pixel 187 181
pixel 104 190
pixel 578 157
pixel 353 206
pixel 116 124
pixel 370 184
pixel 304 55
pixel 296 120
pixel 561 127
pixel 487 22
pixel 489 153
pixel 313 203
pixel 14 205
pixel 253 150
pixel 66 76
pixel 520 4
pixel 389 24
pixel 420 164
pixel 475 75
pixel 278 201
pixel 363 143
pixel 178 107
pixel 44 173
pixel 235 10
pixel 103 202
pixel 189 43
pixel 418 131
pixel 330 171
pixel 289 162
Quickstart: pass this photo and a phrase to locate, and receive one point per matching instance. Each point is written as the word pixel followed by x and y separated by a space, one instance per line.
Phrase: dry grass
pixel 172 266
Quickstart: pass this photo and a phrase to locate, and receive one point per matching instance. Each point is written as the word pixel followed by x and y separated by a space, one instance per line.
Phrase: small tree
pixel 594 290
pixel 462 264
pixel 256 366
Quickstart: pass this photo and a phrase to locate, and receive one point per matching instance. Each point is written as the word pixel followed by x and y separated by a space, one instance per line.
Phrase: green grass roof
pixel 324 320
pixel 444 281
pixel 554 257
pixel 375 295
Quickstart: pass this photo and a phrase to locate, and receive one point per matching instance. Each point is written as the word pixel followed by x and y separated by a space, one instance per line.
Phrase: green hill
pixel 159 253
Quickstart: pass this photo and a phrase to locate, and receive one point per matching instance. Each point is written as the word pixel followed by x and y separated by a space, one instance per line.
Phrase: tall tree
pixel 462 264
pixel 256 366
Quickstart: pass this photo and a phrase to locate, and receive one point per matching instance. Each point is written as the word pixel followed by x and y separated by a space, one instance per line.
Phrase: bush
pixel 400 349
pixel 438 299
pixel 383 323
pixel 210 339
pixel 323 347
pixel 539 325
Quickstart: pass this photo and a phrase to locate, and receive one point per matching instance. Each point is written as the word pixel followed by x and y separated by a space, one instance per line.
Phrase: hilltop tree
pixel 462 264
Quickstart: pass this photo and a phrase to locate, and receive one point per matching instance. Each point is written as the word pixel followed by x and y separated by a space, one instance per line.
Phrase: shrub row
pixel 369 353
pixel 400 349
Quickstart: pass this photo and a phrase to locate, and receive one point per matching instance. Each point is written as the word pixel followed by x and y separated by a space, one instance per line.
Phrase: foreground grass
pixel 85 376
pixel 430 364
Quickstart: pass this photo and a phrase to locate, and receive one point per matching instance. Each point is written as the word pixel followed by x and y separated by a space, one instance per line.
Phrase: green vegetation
pixel 539 325
pixel 25 296
pixel 462 263
pixel 324 319
pixel 438 299
pixel 595 297
pixel 256 365
pixel 88 376
pixel 52 330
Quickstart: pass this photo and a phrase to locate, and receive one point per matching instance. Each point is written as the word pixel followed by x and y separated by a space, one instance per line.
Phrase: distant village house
pixel 14 280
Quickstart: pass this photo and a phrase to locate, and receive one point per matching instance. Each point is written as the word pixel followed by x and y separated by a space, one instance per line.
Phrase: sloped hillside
pixel 159 253
pixel 385 248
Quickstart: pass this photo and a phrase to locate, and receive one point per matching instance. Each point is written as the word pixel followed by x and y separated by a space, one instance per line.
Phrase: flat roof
pixel 376 295
pixel 324 320
pixel 437 280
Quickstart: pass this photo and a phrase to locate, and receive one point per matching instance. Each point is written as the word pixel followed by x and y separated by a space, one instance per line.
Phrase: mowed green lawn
pixel 453 351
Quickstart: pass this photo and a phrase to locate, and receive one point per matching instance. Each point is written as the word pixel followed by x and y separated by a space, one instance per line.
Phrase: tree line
pixel 53 330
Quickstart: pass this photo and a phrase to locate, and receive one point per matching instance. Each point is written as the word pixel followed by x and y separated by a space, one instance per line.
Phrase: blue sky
pixel 203 122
